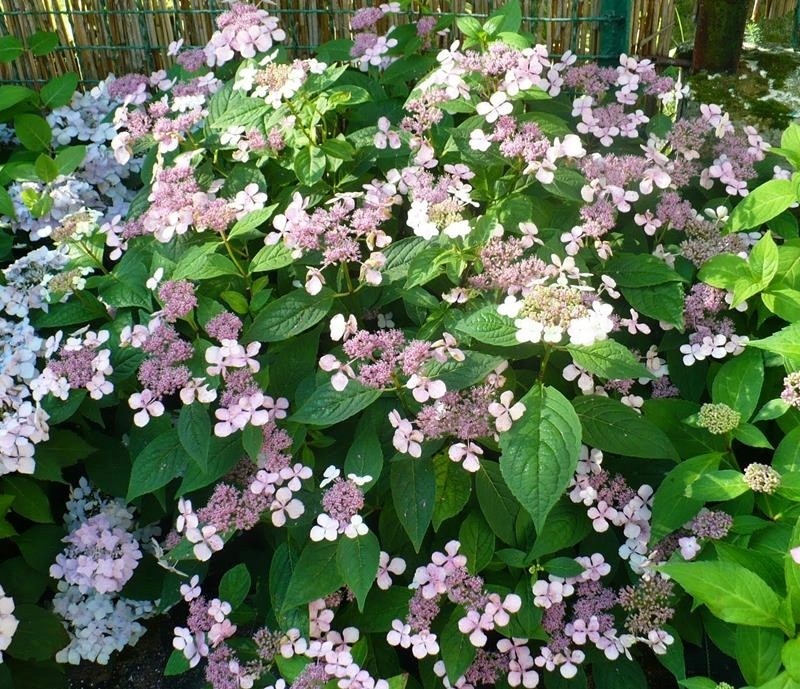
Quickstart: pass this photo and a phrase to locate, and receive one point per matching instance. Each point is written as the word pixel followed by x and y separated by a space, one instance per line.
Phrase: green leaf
pixel 327 406
pixel 69 159
pixel 309 165
pixel 762 204
pixel 58 91
pixel 458 375
pixel 508 17
pixel 315 575
pixel 177 664
pixel 201 263
pixel 469 26
pixel 7 209
pixel 621 674
pixel 717 486
pixel 46 168
pixel 339 149
pixel 731 592
pixel 671 509
pixel 773 409
pixel 785 342
pixel 663 302
pixel 540 451
pixel 247 226
pixel 786 459
pixel 42 42
pixel 457 650
pixel 365 455
pixel 477 542
pixel 722 271
pixel 790 656
pixel 453 488
pixel 271 257
pixel 194 431
pixel 784 303
pixel 763 260
pixel 399 257
pixel 566 525
pixel 413 485
pixel 611 426
pixel 563 567
pixel 33 131
pixel 39 635
pixel 758 653
pixel 289 315
pixel 489 327
pixel 223 455
pixel 30 501
pixel 11 94
pixel 608 359
pixel 235 585
pixel 639 270
pixel 10 48
pixel 162 460
pixel 498 504
pixel 358 560
pixel 748 434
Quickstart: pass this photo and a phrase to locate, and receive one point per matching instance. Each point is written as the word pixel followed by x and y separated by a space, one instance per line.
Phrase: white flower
pixel 330 474
pixel 356 527
pixel 504 412
pixel 497 106
pixel 327 528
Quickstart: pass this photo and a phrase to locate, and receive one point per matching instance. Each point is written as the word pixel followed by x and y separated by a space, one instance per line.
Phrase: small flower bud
pixel 762 478
pixel 718 418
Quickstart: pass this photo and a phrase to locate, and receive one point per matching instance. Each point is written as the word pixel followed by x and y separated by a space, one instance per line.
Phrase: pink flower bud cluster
pixel 81 363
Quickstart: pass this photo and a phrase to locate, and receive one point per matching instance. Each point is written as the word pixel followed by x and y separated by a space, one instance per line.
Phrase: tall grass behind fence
pixel 119 36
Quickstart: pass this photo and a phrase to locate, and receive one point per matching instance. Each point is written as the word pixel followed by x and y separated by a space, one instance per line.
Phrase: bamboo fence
pixel 120 36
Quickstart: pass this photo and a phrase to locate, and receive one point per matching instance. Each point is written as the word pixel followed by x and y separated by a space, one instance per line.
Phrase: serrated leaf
pixel 58 91
pixel 248 225
pixel 453 488
pixel 639 270
pixel 327 406
pixel 608 359
pixel 498 504
pixel 315 575
pixel 671 508
pixel 489 327
pixel 39 635
pixel 540 452
pixel 33 131
pixel 738 383
pixel 785 342
pixel 358 560
pixel 413 485
pixel 762 204
pixel 662 302
pixel 194 431
pixel 457 651
pixel 289 315
pixel 271 257
pixel 731 592
pixel 235 585
pixel 611 426
pixel 477 542
pixel 309 165
pixel 162 460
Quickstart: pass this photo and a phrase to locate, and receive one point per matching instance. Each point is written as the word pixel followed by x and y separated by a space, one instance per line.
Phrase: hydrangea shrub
pixel 398 366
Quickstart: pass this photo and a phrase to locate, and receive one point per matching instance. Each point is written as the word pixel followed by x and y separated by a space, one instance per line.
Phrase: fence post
pixel 615 30
pixel 796 27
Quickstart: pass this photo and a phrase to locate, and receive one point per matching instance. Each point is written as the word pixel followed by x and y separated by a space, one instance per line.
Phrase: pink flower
pixel 191 590
pixel 285 505
pixel 469 453
pixel 424 644
pixel 424 389
pixel 505 412
pixel 395 565
pixel 406 439
pixel 206 540
pixel 399 635
pixel 147 405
